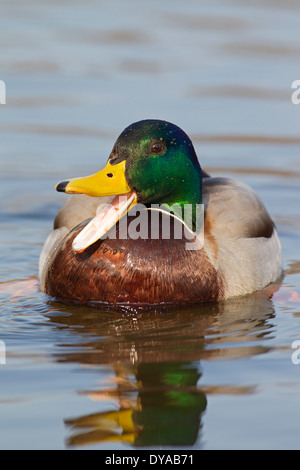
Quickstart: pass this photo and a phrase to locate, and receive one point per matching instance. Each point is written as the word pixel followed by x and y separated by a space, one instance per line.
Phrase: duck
pixel 121 238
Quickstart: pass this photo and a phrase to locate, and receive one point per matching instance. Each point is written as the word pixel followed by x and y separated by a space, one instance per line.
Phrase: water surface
pixel 207 377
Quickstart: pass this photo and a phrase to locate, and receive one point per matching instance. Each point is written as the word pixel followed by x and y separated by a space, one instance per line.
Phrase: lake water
pixel 77 73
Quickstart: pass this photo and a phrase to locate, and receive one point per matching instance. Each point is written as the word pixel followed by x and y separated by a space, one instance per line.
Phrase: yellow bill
pixel 110 181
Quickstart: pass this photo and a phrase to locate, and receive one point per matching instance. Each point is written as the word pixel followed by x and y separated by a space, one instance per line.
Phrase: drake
pixel 87 259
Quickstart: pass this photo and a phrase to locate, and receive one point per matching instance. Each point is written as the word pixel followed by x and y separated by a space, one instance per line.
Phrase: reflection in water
pixel 160 406
pixel 154 360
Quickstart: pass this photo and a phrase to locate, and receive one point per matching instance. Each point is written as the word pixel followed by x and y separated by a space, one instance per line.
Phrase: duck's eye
pixel 157 147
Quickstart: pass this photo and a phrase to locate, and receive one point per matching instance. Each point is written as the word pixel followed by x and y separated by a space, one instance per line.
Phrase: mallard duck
pixel 86 259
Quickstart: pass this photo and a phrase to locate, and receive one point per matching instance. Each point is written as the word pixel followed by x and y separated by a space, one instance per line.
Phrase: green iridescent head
pixel 161 163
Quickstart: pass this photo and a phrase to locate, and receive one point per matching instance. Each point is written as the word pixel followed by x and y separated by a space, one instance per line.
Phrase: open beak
pixel 110 181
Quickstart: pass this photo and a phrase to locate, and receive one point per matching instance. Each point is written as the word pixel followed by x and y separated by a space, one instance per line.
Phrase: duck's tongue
pixel 104 221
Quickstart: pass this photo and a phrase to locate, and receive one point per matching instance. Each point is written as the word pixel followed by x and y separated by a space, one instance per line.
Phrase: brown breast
pixel 127 271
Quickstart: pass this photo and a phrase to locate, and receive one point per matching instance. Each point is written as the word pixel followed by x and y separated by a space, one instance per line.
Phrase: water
pixel 210 377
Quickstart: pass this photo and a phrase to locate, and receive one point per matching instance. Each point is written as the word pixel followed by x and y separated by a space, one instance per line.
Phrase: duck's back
pixel 240 237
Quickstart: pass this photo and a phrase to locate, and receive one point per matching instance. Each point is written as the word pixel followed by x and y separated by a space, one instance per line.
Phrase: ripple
pixel 205 22
pixel 251 139
pixel 254 171
pixel 261 49
pixel 56 130
pixel 239 91
pixel 118 36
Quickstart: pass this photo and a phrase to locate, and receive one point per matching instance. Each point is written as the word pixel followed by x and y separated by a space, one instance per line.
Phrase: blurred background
pixel 77 73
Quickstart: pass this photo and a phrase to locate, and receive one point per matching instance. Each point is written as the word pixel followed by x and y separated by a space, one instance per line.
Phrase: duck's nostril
pixel 110 175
